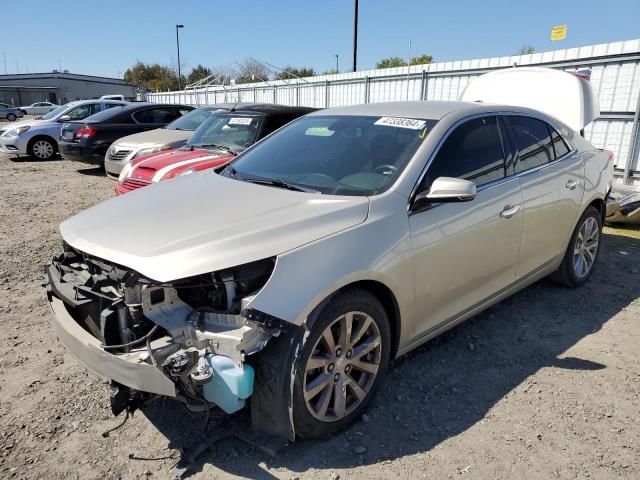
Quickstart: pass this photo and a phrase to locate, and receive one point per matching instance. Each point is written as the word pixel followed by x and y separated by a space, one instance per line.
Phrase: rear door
pixel 465 253
pixel 552 179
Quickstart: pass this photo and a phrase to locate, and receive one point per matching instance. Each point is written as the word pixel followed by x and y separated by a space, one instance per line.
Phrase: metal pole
pixel 634 144
pixel 408 68
pixel 337 67
pixel 178 27
pixel 355 34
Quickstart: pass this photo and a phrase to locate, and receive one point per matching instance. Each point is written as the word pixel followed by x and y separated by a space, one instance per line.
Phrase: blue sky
pixel 106 37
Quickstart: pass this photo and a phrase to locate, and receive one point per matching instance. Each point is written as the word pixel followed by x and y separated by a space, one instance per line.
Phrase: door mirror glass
pixel 446 189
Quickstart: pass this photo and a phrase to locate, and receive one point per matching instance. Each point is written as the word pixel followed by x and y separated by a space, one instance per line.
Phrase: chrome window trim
pixel 572 150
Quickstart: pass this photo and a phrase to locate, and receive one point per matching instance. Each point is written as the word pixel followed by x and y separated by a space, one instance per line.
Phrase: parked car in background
pixel 10 113
pixel 39 108
pixel 39 138
pixel 87 141
pixel 113 97
pixel 171 136
pixel 344 240
pixel 222 136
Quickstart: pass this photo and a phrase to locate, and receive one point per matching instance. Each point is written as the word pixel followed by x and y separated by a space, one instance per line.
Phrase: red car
pixel 216 141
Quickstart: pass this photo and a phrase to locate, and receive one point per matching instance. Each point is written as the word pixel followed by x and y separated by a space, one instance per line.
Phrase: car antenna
pixel 235 105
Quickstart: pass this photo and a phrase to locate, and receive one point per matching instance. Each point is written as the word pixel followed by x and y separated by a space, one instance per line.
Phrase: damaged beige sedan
pixel 286 282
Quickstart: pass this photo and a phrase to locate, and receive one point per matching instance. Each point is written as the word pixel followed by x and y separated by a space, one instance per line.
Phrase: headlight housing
pixel 147 151
pixel 17 131
pixel 124 173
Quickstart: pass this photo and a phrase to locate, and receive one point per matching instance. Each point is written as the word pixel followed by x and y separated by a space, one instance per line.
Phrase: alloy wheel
pixel 342 367
pixel 586 247
pixel 42 149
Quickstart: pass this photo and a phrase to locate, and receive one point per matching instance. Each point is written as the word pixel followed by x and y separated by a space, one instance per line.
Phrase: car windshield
pixel 227 131
pixel 191 120
pixel 338 155
pixel 55 112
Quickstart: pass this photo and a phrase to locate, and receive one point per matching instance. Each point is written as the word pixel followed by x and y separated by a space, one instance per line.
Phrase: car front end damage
pixel 188 339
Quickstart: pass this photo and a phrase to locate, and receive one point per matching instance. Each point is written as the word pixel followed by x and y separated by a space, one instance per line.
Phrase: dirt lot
pixel 544 385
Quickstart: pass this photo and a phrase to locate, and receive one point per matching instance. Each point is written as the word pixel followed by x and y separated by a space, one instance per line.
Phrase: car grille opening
pixel 130 184
pixel 119 155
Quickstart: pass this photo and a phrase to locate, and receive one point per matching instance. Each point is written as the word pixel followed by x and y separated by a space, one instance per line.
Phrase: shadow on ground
pixel 449 384
pixel 97 171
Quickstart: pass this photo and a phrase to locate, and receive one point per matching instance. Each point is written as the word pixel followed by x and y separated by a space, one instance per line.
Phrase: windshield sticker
pixel 240 121
pixel 318 132
pixel 410 123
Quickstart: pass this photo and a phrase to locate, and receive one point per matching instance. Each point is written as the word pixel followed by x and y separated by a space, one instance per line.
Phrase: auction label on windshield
pixel 240 121
pixel 411 123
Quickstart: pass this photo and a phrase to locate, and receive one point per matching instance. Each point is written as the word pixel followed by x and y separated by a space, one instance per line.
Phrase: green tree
pixel 391 62
pixel 331 71
pixel 198 73
pixel 152 76
pixel 526 50
pixel 289 72
pixel 421 60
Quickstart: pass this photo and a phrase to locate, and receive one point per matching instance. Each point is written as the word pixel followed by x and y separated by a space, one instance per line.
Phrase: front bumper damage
pixel 188 340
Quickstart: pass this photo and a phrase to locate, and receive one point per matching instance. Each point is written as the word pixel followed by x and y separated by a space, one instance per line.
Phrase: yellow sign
pixel 559 32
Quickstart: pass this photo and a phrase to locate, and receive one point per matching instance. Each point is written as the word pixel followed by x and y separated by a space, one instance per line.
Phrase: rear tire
pixel 582 252
pixel 11 117
pixel 341 364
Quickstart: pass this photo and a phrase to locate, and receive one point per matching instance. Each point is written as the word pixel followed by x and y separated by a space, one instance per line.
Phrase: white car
pixel 340 242
pixel 39 108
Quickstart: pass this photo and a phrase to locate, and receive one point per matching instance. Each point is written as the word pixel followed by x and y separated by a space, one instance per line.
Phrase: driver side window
pixel 83 111
pixel 473 151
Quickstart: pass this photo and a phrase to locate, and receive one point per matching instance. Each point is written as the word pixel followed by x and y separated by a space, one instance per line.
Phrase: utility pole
pixel 178 27
pixel 337 67
pixel 355 34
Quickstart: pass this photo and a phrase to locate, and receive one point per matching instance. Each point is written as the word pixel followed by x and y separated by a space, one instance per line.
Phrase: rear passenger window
pixel 155 115
pixel 533 142
pixel 559 145
pixel 472 152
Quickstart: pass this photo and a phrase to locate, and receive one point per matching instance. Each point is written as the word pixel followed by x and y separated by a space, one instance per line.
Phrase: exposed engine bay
pixel 197 332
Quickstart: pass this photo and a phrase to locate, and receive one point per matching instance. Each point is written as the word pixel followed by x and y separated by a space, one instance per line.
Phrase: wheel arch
pixel 42 136
pixel 386 297
pixel 599 205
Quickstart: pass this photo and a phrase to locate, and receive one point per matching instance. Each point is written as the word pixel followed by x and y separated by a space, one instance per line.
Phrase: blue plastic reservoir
pixel 230 384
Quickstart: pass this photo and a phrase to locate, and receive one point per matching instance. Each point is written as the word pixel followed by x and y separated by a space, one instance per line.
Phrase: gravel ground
pixel 544 385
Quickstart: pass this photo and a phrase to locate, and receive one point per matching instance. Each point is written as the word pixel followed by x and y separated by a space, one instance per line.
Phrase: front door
pixel 465 253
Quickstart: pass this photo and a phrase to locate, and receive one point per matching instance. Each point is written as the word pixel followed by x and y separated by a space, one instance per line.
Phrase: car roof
pixel 429 109
pixel 266 108
pixel 141 105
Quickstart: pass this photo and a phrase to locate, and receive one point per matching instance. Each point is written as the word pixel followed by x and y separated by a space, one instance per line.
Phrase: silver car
pixel 171 136
pixel 39 138
pixel 10 113
pixel 340 242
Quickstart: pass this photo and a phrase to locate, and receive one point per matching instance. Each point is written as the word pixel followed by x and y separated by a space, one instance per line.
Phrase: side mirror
pixel 446 190
pixel 64 118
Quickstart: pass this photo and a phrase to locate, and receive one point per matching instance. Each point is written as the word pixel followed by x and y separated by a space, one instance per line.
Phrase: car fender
pixel 377 250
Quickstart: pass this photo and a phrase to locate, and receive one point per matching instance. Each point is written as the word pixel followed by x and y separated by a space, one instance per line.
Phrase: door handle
pixel 572 184
pixel 509 211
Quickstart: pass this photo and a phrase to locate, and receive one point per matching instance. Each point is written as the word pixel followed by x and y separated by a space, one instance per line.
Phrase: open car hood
pixel 204 222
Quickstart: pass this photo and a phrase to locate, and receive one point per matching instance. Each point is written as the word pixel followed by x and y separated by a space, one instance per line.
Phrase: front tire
pixel 341 364
pixel 11 117
pixel 42 148
pixel 581 255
